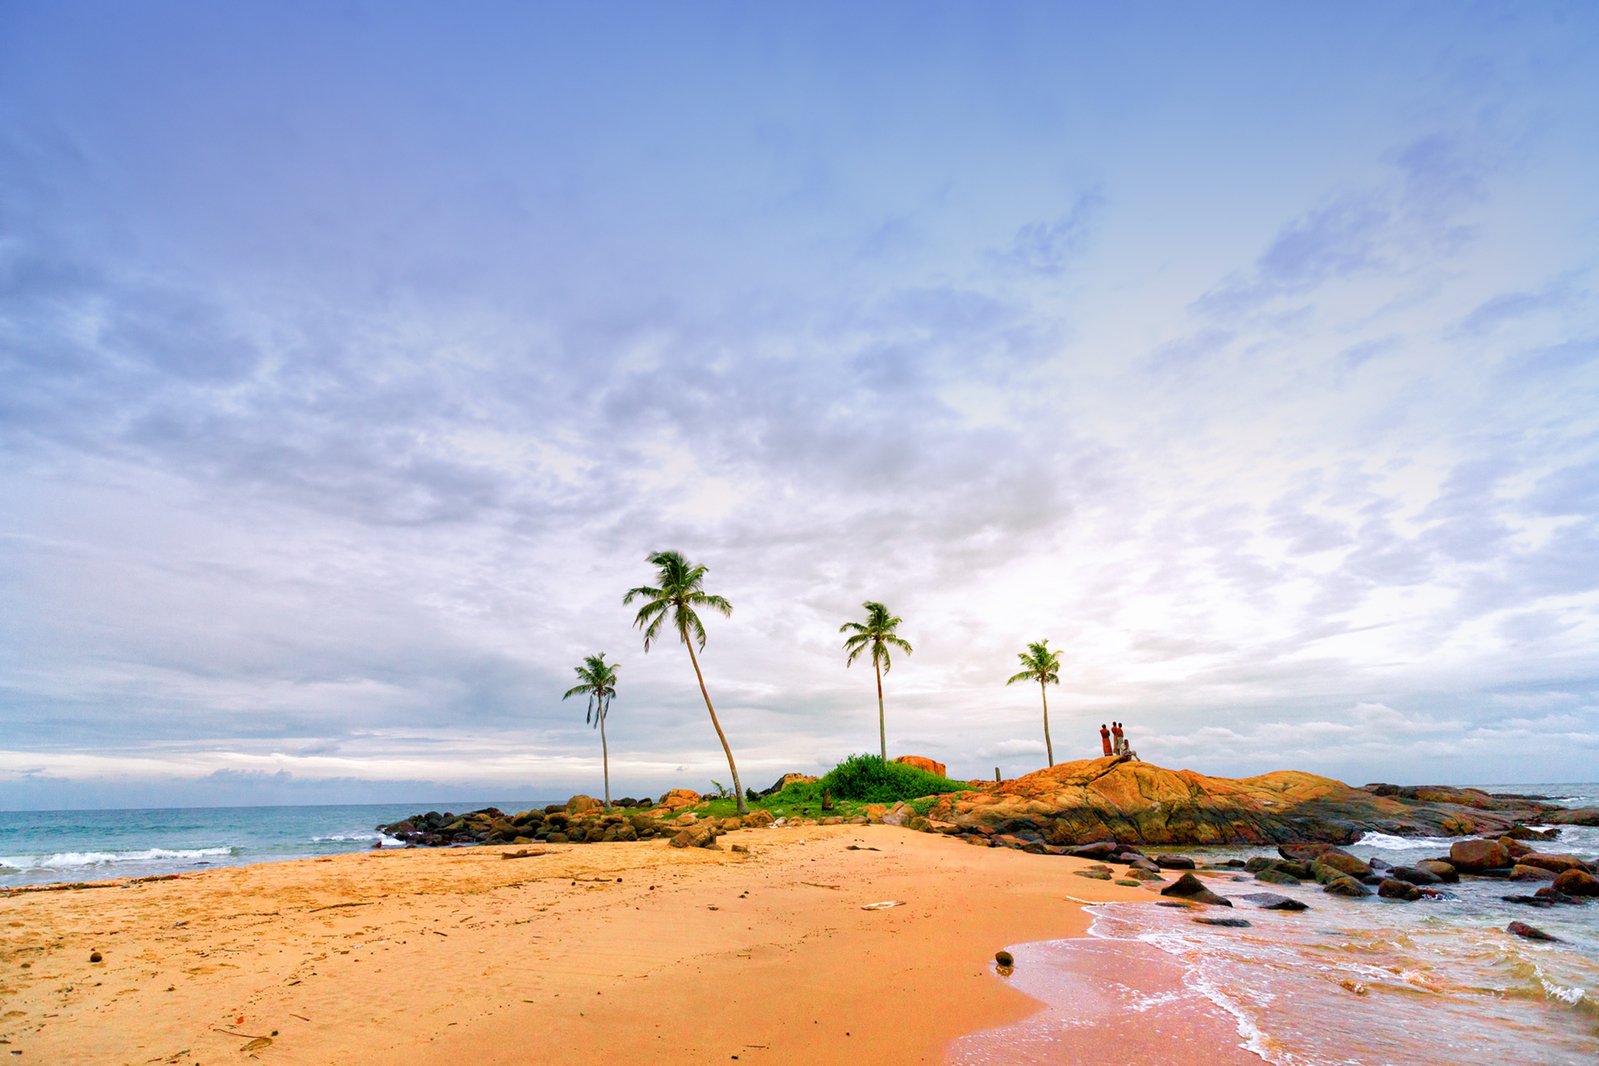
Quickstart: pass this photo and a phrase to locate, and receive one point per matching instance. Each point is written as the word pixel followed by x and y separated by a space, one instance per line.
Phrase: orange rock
pixel 922 763
pixel 1111 798
pixel 582 804
pixel 679 798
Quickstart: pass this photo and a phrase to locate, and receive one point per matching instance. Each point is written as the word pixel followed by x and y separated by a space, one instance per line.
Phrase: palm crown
pixel 1039 664
pixel 877 633
pixel 676 593
pixel 596 679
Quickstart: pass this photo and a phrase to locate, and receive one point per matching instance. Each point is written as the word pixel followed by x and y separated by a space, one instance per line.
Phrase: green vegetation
pixel 852 785
pixel 1041 665
pixel 873 779
pixel 597 679
pixel 677 592
pixel 877 633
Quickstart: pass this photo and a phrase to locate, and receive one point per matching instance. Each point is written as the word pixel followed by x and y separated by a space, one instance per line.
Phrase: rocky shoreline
pixel 1057 811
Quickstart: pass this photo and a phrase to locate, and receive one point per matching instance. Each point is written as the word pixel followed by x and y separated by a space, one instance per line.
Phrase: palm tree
pixel 1041 665
pixel 597 679
pixel 676 593
pixel 877 633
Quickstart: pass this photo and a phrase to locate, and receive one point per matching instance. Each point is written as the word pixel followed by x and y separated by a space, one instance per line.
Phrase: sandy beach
pixel 612 953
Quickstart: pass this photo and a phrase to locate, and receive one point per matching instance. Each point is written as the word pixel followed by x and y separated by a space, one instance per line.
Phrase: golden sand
pixel 600 953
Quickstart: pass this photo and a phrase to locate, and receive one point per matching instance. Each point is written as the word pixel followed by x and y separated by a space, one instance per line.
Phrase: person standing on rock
pixel 1119 742
pixel 1104 738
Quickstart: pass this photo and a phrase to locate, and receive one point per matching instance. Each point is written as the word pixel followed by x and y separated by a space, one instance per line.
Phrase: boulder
pixel 582 804
pixel 1273 876
pixel 1344 863
pixel 783 782
pixel 1231 923
pixel 1558 863
pixel 1520 872
pixel 921 762
pixel 1440 869
pixel 1326 875
pixel 702 835
pixel 1137 876
pixel 1098 873
pixel 1303 852
pixel 1174 862
pixel 1531 932
pixel 1554 895
pixel 1192 888
pixel 1100 849
pixel 1344 885
pixel 679 798
pixel 1271 901
pixel 1414 875
pixel 1393 888
pixel 758 819
pixel 1577 883
pixel 1475 856
pixel 1516 848
pixel 1530 901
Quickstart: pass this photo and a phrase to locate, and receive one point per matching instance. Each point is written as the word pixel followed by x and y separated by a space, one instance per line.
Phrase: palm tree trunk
pixel 882 732
pixel 1049 749
pixel 605 754
pixel 738 788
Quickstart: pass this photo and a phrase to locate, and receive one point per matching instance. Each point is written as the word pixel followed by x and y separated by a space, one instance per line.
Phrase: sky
pixel 355 356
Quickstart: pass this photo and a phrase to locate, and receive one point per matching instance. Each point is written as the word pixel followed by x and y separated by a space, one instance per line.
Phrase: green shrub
pixel 868 779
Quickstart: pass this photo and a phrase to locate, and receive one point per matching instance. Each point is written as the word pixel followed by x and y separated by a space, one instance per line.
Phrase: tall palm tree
pixel 597 679
pixel 676 593
pixel 877 633
pixel 1041 665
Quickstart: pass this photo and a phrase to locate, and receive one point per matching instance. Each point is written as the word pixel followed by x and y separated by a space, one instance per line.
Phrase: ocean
pixel 1363 982
pixel 39 847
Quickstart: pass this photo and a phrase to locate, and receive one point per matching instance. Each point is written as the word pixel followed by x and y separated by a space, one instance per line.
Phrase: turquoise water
pixel 39 847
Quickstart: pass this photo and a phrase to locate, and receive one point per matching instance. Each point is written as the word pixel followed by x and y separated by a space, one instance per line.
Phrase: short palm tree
pixel 1041 665
pixel 676 593
pixel 877 633
pixel 597 680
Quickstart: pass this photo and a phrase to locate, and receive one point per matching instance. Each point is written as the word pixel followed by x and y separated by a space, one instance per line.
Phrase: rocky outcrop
pixel 1115 798
pixel 678 798
pixel 921 762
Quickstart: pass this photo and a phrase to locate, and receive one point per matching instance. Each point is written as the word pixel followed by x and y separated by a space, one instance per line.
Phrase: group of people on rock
pixel 1114 740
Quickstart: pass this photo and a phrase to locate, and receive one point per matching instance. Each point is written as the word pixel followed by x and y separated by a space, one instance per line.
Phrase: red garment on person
pixel 1104 739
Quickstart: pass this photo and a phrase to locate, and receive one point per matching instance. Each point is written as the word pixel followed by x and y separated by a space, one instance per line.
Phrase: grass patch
pixel 869 779
pixel 853 784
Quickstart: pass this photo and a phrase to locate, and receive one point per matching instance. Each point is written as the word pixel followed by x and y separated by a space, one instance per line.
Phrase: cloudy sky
pixel 354 356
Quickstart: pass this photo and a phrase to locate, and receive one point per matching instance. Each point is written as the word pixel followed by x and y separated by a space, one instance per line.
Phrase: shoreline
pixel 622 952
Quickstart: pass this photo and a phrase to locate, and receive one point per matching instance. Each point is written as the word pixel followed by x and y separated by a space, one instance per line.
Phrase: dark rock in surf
pixel 1230 923
pixel 1271 901
pixel 1393 888
pixel 1415 875
pixel 1531 932
pixel 1192 888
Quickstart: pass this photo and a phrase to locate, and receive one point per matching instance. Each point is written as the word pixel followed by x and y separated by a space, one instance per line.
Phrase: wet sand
pixel 624 953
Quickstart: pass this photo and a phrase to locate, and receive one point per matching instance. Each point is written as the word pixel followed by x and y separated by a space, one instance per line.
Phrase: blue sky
pixel 355 356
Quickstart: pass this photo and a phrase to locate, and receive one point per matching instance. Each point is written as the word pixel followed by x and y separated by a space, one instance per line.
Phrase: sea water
pixel 1349 981
pixel 39 847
